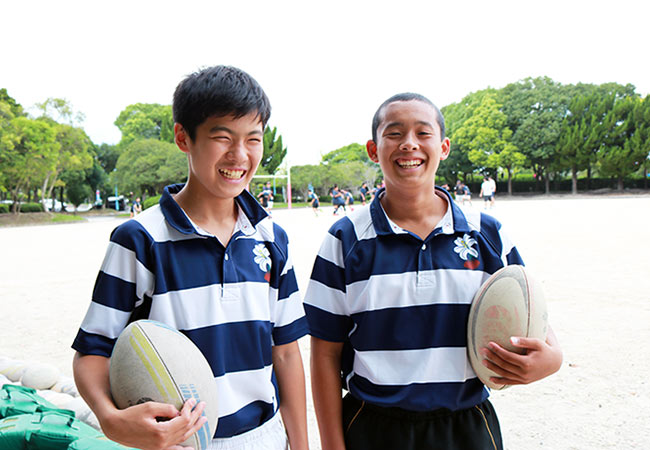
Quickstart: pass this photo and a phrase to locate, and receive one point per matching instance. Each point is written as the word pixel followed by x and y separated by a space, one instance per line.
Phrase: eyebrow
pixel 217 128
pixel 419 122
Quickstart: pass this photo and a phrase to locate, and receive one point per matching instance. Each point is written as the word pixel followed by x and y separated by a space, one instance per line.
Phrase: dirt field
pixel 591 253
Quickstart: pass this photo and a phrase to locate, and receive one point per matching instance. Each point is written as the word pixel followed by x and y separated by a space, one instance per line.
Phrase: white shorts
pixel 269 436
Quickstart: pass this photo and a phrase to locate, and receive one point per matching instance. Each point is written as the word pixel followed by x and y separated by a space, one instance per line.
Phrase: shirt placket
pixel 229 278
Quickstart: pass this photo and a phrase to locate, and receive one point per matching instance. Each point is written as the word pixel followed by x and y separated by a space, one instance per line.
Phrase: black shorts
pixel 371 427
pixel 316 204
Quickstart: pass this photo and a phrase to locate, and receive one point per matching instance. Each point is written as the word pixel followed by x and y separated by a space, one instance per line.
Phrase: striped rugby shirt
pixel 234 303
pixel 400 304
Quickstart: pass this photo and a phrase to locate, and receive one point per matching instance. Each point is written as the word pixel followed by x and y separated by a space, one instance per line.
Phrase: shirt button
pixel 227 257
pixel 424 246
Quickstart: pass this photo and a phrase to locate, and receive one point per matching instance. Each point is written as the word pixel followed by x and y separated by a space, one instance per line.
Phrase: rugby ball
pixel 154 362
pixel 509 303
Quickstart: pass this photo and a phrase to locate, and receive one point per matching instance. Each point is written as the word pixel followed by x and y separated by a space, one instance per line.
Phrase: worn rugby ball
pixel 509 303
pixel 154 362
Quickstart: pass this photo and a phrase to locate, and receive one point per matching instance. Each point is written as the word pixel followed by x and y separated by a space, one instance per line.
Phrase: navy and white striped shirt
pixel 400 304
pixel 234 303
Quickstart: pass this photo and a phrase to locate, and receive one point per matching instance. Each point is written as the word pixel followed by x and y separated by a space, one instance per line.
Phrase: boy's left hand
pixel 540 360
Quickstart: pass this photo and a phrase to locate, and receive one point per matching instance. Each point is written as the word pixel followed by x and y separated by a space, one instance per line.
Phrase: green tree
pixel 107 156
pixel 32 154
pixel 13 108
pixel 579 137
pixel 145 121
pixel 346 154
pixel 535 108
pixel 74 153
pixel 148 165
pixel 77 188
pixel 457 165
pixel 485 134
pixel 9 110
pixel 623 150
pixel 274 152
pixel 61 111
pixel 303 176
pixel 350 175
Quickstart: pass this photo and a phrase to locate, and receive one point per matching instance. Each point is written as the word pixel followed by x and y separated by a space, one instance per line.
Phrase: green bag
pixel 46 430
pixel 16 400
pixel 96 443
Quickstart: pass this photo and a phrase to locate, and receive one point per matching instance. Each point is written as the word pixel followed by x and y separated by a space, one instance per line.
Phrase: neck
pixel 205 209
pixel 413 207
pixel 419 213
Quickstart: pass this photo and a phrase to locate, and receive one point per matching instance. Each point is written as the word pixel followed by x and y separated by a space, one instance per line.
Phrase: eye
pixel 220 138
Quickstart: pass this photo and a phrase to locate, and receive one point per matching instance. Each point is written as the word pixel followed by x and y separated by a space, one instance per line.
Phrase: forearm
pixel 91 377
pixel 326 390
pixel 289 371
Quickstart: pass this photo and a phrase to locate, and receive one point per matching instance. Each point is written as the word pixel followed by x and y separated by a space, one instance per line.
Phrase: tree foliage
pixel 148 165
pixel 347 154
pixel 274 151
pixel 145 121
pixel 32 154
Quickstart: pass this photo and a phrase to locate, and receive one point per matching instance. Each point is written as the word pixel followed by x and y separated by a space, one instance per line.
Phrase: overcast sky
pixel 326 66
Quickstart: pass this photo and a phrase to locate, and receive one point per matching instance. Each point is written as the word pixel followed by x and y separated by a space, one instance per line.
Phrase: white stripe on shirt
pixel 402 367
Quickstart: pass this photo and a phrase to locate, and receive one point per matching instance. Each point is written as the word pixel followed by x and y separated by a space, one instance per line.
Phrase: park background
pixel 546 97
pixel 552 95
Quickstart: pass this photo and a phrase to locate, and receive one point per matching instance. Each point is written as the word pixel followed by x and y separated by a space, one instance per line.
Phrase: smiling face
pixel 409 147
pixel 224 155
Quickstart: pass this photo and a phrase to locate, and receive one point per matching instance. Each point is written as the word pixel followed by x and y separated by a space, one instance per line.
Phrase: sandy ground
pixel 591 253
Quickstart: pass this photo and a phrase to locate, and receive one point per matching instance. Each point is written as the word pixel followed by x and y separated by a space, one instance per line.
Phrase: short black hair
pixel 216 92
pixel 406 97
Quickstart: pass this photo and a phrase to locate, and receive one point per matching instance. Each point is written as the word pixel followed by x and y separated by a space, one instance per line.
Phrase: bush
pixel 4 208
pixel 31 207
pixel 151 201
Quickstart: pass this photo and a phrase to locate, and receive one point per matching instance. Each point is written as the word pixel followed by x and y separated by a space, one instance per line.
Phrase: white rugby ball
pixel 509 303
pixel 154 362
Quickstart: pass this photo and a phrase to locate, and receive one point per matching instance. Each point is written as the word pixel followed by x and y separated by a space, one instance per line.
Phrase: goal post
pixel 288 177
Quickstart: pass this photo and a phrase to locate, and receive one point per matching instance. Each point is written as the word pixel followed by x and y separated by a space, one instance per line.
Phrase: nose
pixel 237 151
pixel 409 143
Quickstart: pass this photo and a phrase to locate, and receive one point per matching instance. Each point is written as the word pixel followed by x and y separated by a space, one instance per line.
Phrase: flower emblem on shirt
pixel 466 251
pixel 263 259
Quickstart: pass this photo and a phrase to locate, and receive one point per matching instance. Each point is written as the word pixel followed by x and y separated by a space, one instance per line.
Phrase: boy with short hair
pixel 389 298
pixel 209 262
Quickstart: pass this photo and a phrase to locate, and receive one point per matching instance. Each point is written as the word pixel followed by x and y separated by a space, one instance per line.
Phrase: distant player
pixel 314 202
pixel 363 191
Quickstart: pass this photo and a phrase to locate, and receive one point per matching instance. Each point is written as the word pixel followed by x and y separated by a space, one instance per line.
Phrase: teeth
pixel 409 163
pixel 232 174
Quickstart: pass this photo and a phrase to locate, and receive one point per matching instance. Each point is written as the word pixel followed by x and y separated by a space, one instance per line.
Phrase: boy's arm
pixel 289 371
pixel 136 426
pixel 540 360
pixel 326 390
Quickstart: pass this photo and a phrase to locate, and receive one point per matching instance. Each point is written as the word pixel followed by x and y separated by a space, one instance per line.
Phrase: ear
pixel 371 148
pixel 181 138
pixel 445 147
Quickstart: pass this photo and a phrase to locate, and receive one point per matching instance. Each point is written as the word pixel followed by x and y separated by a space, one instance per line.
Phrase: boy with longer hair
pixel 209 262
pixel 389 298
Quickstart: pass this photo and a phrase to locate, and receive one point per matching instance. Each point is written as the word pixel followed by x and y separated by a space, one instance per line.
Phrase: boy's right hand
pixel 141 426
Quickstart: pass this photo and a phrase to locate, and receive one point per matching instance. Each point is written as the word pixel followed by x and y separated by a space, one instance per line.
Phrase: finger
pixel 528 343
pixel 188 406
pixel 196 427
pixel 178 424
pixel 507 370
pixel 504 380
pixel 505 354
pixel 163 410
